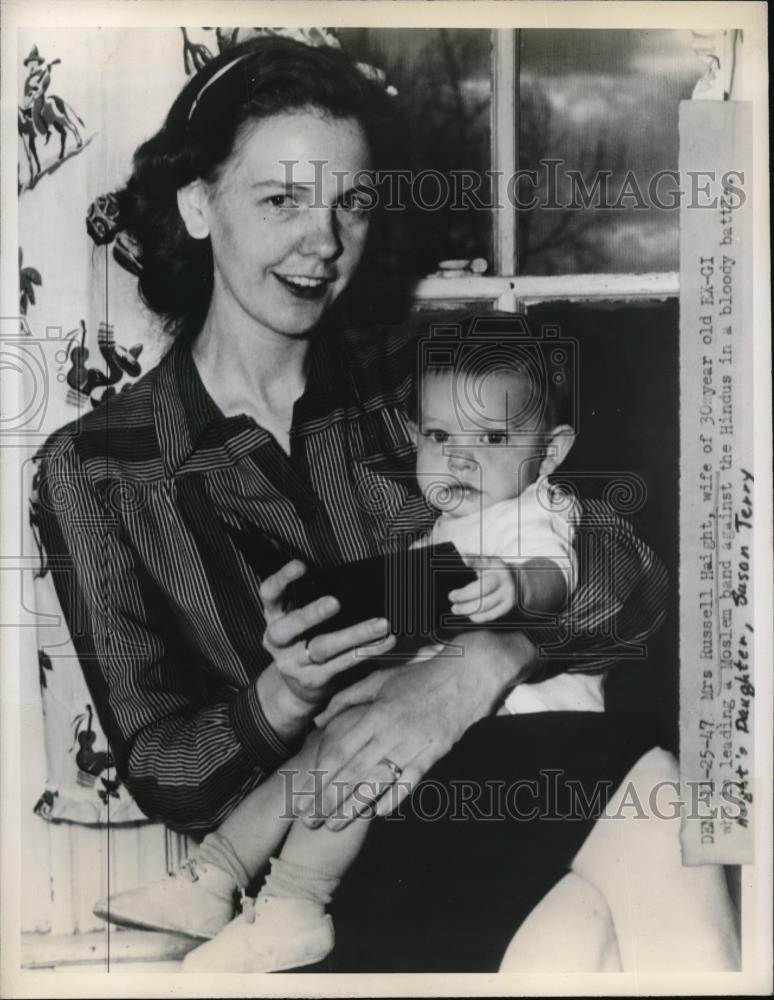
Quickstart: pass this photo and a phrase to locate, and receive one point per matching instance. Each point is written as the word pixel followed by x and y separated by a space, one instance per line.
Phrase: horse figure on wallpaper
pixel 41 111
pixel 27 135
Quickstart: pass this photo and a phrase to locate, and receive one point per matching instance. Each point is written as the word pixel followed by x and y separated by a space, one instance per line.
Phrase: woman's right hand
pixel 308 669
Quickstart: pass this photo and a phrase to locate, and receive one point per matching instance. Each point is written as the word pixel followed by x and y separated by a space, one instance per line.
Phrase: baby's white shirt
pixel 538 524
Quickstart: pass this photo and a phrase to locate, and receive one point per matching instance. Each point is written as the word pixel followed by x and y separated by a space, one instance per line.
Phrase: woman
pixel 249 209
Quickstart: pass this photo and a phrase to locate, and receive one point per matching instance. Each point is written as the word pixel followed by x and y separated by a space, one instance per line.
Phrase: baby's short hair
pixel 483 346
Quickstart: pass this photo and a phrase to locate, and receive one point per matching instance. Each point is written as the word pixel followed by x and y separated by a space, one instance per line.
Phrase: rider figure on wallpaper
pixel 39 111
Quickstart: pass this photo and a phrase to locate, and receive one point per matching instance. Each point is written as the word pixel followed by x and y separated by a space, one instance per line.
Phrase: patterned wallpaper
pixel 86 99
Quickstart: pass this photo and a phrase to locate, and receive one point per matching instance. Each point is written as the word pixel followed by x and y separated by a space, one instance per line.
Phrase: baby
pixel 489 430
pixel 487 435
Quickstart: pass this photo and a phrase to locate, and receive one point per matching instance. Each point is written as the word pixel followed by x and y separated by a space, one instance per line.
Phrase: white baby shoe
pixel 197 900
pixel 269 935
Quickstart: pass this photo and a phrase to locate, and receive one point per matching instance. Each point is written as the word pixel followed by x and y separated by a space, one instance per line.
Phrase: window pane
pixel 443 78
pixel 602 101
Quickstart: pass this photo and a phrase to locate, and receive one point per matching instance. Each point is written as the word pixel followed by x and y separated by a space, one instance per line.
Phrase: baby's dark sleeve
pixel 619 602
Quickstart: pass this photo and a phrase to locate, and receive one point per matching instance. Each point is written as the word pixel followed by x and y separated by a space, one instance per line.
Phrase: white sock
pixel 290 880
pixel 216 850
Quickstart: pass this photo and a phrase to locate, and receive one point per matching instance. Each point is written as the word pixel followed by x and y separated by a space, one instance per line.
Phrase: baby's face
pixel 475 452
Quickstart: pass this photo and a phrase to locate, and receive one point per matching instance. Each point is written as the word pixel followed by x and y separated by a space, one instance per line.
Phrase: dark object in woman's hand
pixel 410 587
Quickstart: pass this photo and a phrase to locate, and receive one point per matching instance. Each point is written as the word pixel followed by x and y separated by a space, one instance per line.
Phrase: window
pixel 577 108
pixel 592 100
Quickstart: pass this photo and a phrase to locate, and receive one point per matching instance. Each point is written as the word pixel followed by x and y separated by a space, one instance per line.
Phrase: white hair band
pixel 213 78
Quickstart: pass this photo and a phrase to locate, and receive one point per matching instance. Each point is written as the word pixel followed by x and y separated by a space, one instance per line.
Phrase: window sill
pixel 511 293
pixel 103 951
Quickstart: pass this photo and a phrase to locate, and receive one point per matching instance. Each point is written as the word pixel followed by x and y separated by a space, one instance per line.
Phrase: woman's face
pixel 288 219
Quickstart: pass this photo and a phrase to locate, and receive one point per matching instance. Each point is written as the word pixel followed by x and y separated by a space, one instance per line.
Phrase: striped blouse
pixel 138 505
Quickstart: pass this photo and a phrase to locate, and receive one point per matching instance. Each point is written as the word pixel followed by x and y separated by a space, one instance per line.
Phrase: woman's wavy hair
pixel 269 76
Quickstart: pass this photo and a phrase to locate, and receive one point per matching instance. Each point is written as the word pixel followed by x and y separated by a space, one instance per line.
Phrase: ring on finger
pixel 396 769
pixel 308 654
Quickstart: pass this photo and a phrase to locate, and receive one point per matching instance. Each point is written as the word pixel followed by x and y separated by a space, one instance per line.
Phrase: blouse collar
pixel 188 418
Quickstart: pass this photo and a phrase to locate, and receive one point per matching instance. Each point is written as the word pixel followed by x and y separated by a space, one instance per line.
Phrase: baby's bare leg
pixel 286 926
pixel 328 851
pixel 250 835
pixel 254 831
pixel 313 861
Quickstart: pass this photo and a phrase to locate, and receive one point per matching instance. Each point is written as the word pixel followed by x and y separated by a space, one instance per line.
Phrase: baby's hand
pixel 491 596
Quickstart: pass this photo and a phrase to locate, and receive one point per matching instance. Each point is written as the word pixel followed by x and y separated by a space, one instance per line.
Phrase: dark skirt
pixel 443 885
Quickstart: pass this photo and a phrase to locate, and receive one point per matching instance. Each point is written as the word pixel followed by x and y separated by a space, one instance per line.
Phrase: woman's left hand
pixel 415 714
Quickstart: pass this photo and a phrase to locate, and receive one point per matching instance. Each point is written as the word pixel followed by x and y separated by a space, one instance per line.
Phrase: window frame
pixel 505 288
